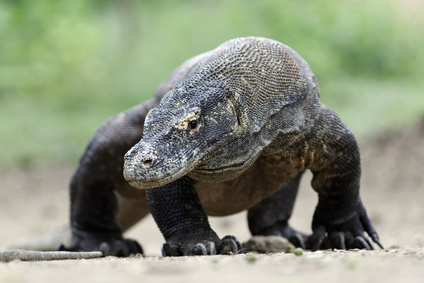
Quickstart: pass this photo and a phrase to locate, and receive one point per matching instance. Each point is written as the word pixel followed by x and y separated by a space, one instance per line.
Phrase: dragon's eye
pixel 192 125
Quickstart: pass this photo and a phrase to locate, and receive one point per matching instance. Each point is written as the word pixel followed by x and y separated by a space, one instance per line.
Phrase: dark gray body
pixel 258 125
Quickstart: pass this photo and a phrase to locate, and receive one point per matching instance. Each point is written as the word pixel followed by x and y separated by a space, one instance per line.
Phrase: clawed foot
pixel 227 245
pixel 110 244
pixel 346 235
pixel 340 240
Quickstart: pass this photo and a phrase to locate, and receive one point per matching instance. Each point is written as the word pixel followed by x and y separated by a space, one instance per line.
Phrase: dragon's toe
pixel 110 244
pixel 121 248
pixel 228 245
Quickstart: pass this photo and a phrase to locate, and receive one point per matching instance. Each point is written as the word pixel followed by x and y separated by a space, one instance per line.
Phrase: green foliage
pixel 65 66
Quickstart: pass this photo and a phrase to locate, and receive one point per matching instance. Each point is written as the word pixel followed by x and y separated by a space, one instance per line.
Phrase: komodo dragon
pixel 232 129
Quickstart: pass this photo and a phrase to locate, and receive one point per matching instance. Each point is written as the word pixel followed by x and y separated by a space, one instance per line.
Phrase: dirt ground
pixel 35 201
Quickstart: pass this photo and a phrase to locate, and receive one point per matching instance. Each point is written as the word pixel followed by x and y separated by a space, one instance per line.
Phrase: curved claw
pixel 199 249
pixel 167 250
pixel 317 238
pixel 369 228
pixel 370 243
pixel 377 241
pixel 211 248
pixel 338 240
pixel 229 245
pixel 298 241
pixel 361 243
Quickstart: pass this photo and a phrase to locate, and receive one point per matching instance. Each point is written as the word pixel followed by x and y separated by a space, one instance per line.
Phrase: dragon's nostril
pixel 147 162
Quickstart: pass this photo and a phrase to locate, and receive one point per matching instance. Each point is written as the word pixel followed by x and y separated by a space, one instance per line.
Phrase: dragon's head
pixel 188 133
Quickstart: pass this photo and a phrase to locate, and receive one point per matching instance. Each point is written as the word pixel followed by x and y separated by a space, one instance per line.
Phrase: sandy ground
pixel 35 201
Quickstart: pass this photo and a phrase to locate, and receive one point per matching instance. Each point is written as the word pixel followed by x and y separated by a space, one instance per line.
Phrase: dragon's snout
pixel 136 164
pixel 146 166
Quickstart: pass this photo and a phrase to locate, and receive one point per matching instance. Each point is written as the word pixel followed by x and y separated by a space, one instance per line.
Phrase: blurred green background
pixel 65 66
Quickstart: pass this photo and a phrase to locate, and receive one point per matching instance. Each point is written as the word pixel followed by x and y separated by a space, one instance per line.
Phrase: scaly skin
pixel 234 130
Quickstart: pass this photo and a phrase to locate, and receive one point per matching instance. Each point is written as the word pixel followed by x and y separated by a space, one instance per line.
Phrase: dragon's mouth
pixel 139 181
pixel 144 185
pixel 141 178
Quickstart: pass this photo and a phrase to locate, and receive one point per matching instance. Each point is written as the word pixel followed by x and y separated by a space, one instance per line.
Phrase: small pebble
pixel 251 257
pixel 298 251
